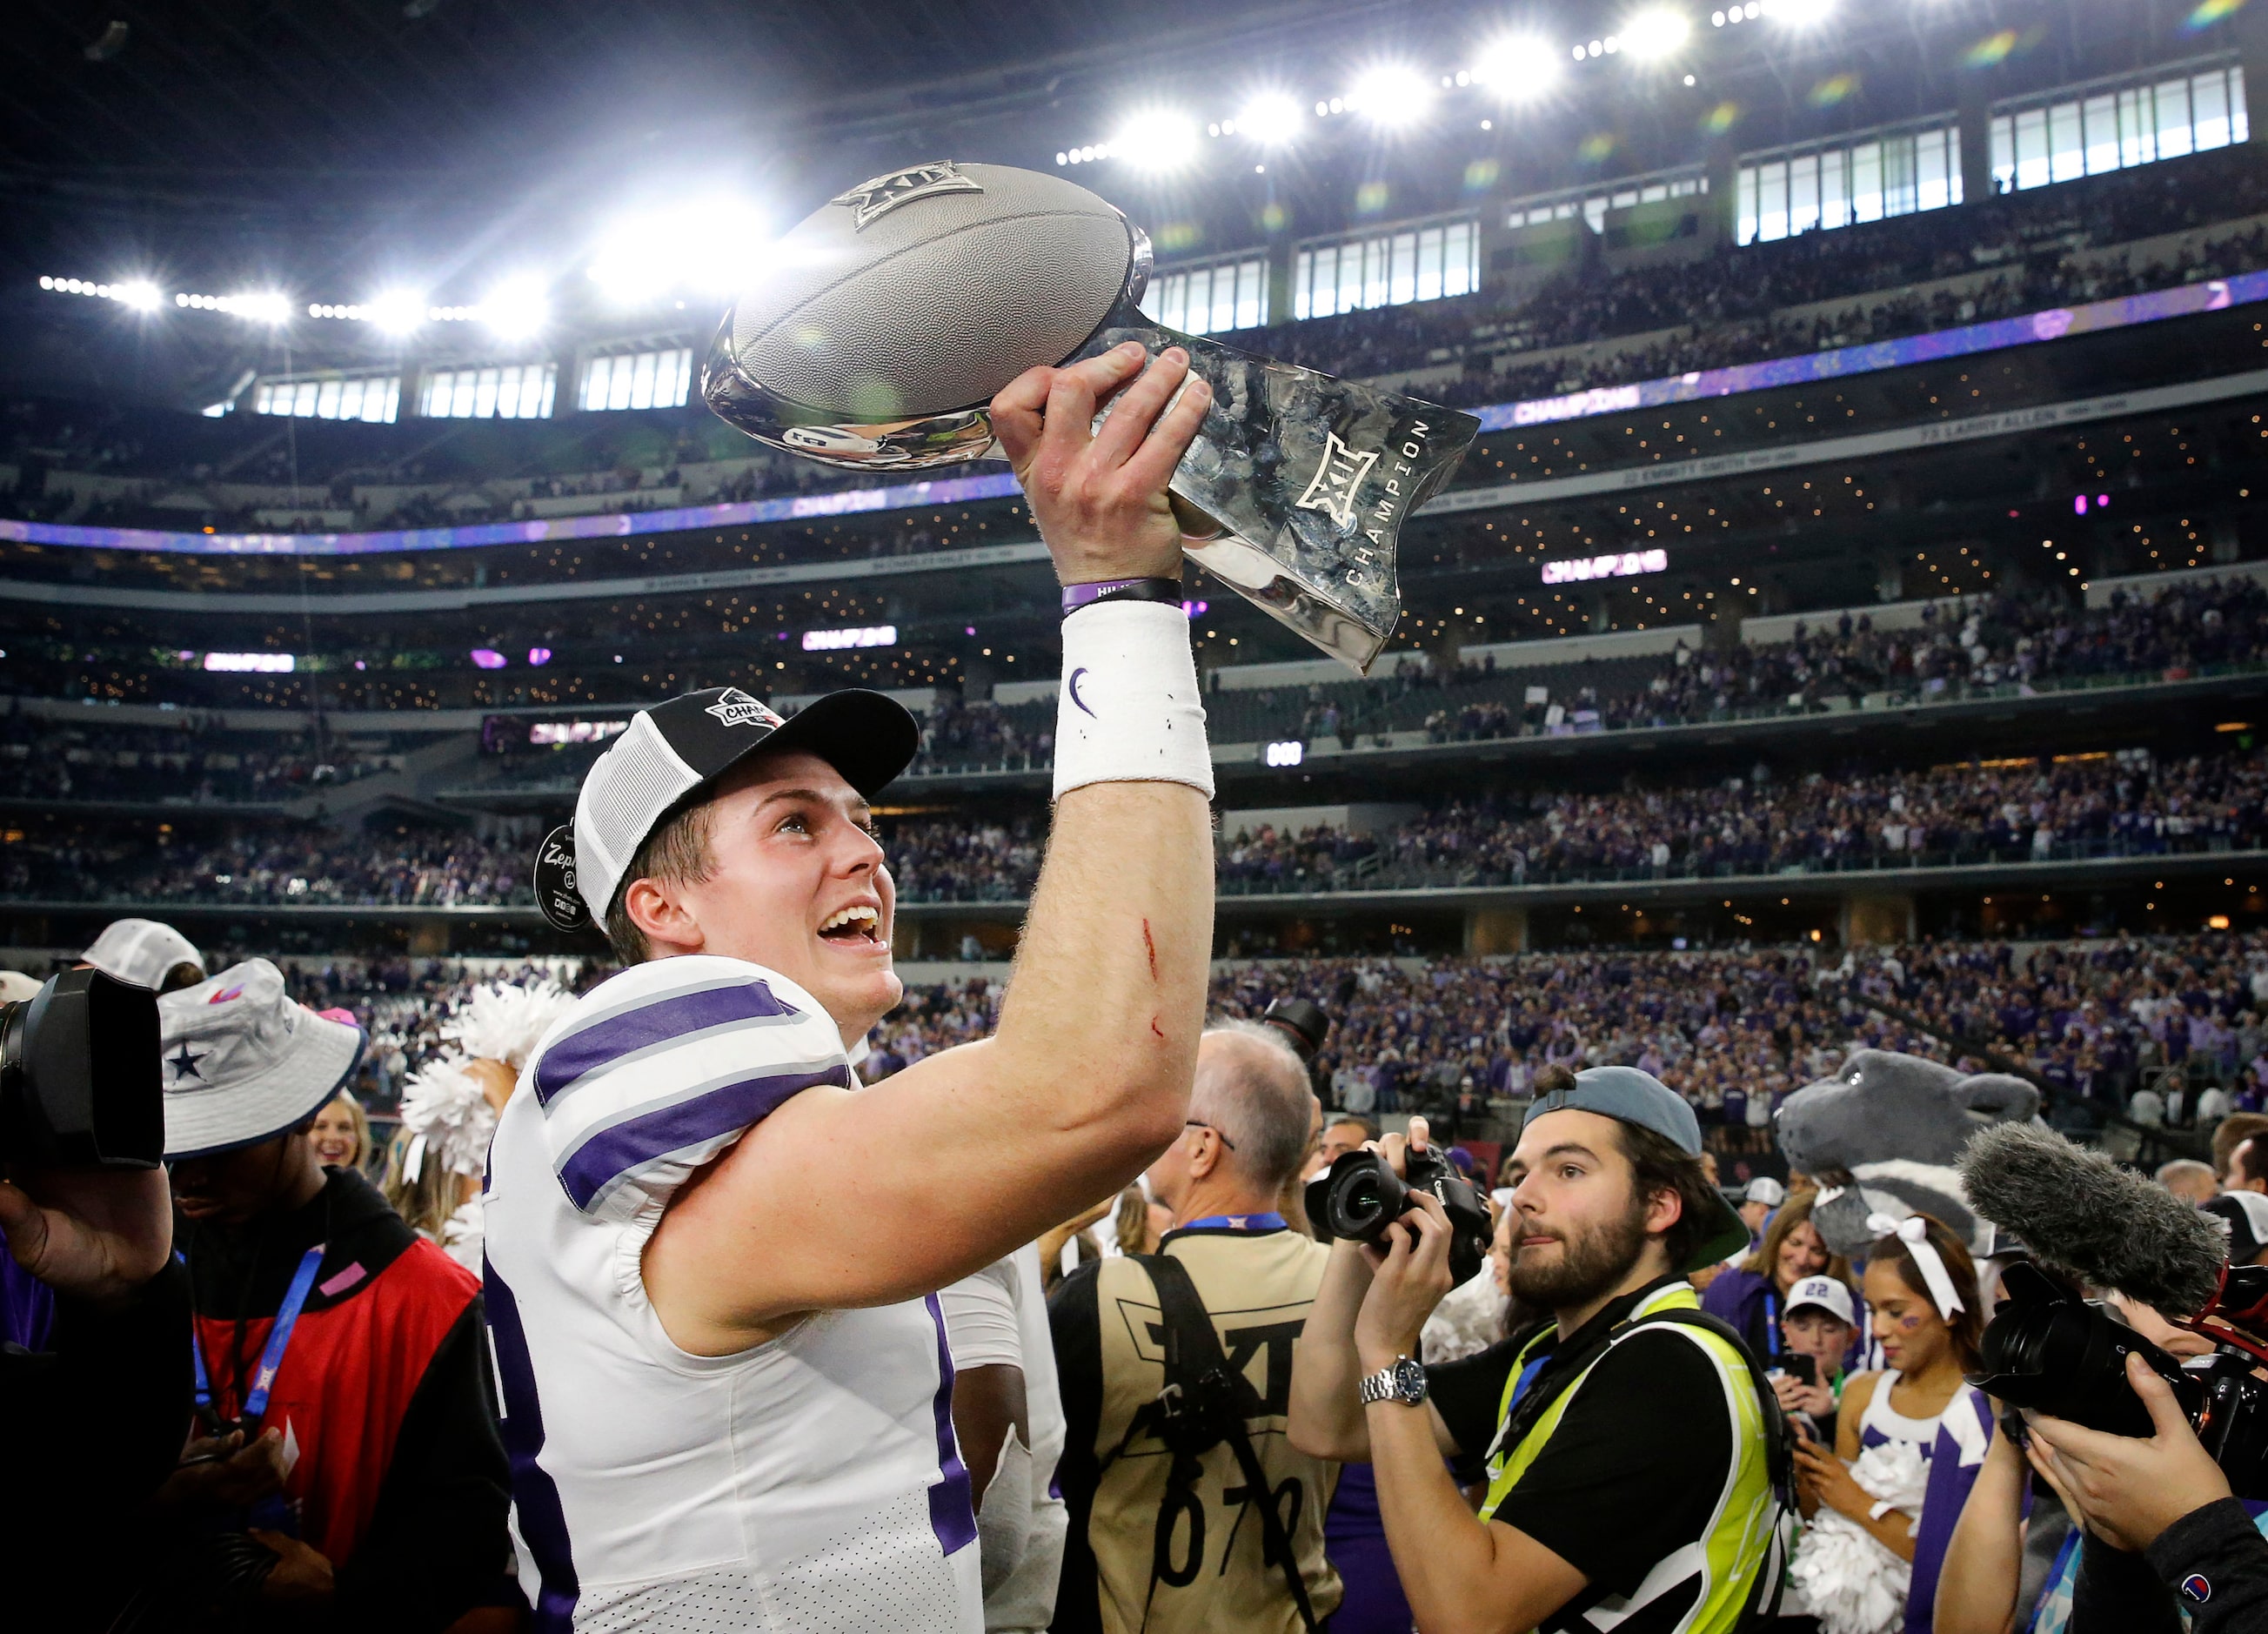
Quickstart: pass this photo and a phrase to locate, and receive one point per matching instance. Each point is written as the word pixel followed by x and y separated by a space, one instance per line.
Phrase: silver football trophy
pixel 880 329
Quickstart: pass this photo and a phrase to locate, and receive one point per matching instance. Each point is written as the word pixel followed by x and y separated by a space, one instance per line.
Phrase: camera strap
pixel 1204 1404
pixel 271 1355
pixel 1535 1397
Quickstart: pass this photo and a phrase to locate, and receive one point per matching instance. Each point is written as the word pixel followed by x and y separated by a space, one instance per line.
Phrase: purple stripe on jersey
pixel 951 1504
pixel 661 1022
pixel 534 1495
pixel 611 1153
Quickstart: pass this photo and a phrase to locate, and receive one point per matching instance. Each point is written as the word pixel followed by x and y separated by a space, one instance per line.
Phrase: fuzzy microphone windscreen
pixel 2077 1209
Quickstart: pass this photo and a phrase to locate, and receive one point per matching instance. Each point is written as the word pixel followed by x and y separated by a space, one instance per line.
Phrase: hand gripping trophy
pixel 881 325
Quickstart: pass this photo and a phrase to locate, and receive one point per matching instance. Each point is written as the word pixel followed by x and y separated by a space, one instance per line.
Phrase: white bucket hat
pixel 242 1061
pixel 143 952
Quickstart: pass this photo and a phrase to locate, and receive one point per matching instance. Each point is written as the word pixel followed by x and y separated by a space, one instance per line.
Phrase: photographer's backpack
pixel 1204 1404
pixel 1762 1608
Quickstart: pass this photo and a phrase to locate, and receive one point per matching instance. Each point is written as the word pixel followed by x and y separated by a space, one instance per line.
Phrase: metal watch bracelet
pixel 1404 1381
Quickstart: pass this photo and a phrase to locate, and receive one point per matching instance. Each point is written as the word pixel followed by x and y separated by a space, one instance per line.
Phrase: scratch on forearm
pixel 1151 943
pixel 1154 1028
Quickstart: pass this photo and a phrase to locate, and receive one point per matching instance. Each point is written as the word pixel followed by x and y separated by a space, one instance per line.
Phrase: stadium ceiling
pixel 214 90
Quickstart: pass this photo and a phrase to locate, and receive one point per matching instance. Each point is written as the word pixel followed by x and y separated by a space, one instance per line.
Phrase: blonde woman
pixel 341 1133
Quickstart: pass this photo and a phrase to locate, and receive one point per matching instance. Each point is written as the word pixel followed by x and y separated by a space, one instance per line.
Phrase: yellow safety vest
pixel 1743 1538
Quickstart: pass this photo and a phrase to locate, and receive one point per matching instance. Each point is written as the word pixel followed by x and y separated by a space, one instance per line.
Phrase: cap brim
pixel 1729 1237
pixel 207 1122
pixel 869 737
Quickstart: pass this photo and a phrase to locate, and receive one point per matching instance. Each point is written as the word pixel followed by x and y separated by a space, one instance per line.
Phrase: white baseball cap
pixel 673 750
pixel 142 951
pixel 241 1061
pixel 1766 1190
pixel 1827 1294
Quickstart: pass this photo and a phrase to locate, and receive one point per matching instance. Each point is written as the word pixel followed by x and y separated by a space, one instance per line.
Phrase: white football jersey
pixel 810 1483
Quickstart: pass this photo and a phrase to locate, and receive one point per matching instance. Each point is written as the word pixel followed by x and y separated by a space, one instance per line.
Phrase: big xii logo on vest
pixel 1364 491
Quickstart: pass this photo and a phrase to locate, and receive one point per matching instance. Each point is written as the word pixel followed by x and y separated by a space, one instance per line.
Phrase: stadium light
pixel 140 294
pixel 711 245
pixel 1519 68
pixel 1656 31
pixel 395 311
pixel 1391 96
pixel 1156 139
pixel 516 308
pixel 1271 119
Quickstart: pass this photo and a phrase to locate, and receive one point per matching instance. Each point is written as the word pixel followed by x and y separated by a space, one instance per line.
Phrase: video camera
pixel 79 1076
pixel 2050 1350
pixel 1360 1196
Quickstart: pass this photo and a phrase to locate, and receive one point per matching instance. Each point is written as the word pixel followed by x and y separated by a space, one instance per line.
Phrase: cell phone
pixel 1802 1369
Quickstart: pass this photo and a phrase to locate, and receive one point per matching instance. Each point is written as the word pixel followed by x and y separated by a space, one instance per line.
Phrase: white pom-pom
pixel 504 1022
pixel 1848 1580
pixel 444 1103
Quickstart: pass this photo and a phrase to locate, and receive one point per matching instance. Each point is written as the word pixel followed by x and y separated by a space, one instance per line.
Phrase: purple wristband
pixel 1077 596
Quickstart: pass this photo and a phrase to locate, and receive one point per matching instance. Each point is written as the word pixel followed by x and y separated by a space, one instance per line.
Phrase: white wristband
pixel 1129 711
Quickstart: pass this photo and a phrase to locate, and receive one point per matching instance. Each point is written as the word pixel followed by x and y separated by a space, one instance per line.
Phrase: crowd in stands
pixel 2167 1030
pixel 2127 804
pixel 194 761
pixel 1990 644
pixel 1737 304
pixel 274 866
pixel 1736 1031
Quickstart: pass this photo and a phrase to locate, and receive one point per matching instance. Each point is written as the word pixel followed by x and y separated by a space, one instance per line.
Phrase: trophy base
pixel 1295 490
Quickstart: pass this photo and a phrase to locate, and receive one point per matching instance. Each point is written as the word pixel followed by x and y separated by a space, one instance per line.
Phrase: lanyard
pixel 1519 1388
pixel 279 1337
pixel 1771 1324
pixel 1236 1222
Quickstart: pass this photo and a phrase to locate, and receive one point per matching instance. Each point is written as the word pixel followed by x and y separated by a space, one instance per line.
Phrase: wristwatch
pixel 1403 1382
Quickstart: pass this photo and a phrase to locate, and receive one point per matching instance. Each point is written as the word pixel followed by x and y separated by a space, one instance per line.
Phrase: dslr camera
pixel 2055 1352
pixel 1360 1196
pixel 79 1076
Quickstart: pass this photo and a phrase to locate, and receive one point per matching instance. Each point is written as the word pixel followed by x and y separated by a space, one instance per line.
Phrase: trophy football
pixel 882 324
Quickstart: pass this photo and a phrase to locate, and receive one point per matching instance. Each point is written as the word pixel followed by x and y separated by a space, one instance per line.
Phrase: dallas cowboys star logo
pixel 184 1063
pixel 884 193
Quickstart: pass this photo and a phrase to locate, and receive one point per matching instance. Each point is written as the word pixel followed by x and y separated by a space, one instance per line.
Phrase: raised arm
pixel 851 1198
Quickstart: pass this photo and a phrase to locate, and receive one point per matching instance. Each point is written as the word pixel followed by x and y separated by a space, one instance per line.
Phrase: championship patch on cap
pixel 2195 1588
pixel 556 895
pixel 735 708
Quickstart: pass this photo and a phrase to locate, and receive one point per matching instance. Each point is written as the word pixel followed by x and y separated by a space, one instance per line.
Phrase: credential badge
pixel 1336 480
pixel 736 708
pixel 871 200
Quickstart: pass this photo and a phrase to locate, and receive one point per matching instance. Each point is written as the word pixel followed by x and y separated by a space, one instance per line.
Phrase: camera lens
pixel 78 1075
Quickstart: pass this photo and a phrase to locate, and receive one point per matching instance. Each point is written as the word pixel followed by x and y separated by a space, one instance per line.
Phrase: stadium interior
pixel 1852 624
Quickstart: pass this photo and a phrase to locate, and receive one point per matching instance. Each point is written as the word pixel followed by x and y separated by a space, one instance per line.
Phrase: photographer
pixel 95 1380
pixel 1630 1462
pixel 1169 1530
pixel 2162 1528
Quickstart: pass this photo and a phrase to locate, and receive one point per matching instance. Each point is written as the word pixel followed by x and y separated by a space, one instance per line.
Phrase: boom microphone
pixel 2077 1209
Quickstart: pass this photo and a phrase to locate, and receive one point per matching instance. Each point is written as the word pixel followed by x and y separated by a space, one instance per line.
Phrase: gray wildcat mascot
pixel 1882 1136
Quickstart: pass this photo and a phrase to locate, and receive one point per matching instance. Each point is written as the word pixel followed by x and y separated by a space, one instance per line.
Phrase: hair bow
pixel 1913 1231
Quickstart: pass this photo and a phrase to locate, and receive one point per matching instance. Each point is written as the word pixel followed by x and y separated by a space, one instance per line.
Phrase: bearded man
pixel 1625 1445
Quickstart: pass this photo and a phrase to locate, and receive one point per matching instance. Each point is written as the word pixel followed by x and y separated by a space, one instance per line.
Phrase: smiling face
pixel 795 883
pixel 1801 1253
pixel 336 1139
